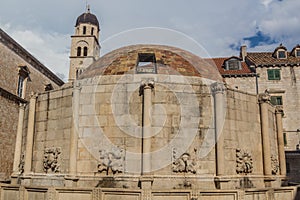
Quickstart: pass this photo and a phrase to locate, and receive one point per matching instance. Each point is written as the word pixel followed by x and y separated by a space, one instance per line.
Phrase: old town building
pixel 276 73
pixel 21 74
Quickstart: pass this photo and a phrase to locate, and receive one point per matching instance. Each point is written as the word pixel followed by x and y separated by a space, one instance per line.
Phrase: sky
pixel 208 28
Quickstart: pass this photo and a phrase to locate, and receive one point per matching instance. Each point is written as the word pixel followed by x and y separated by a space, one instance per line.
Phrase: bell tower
pixel 85 47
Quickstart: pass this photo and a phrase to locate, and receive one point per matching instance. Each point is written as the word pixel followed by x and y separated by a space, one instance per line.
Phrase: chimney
pixel 243 52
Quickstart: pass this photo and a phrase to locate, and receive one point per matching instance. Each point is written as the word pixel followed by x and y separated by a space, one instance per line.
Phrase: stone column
pixel 30 133
pixel 18 147
pixel 74 132
pixel 264 100
pixel 280 140
pixel 219 113
pixel 145 90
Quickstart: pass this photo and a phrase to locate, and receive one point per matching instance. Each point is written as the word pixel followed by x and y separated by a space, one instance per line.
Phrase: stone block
pixel 87 109
pixel 56 94
pixel 55 103
pixel 82 195
pixel 84 166
pixel 68 92
pixel 41 116
pixel 40 126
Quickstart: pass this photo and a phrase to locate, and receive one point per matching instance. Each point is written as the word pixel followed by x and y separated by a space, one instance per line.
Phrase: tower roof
pixel 87 18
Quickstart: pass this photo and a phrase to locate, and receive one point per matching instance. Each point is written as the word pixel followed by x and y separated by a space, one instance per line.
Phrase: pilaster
pixel 30 133
pixel 281 154
pixel 218 90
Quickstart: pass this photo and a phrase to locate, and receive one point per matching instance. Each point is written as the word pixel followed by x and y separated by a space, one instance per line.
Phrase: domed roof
pixel 168 60
pixel 87 18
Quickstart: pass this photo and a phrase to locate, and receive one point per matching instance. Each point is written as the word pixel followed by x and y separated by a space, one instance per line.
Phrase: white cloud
pixel 51 49
pixel 214 24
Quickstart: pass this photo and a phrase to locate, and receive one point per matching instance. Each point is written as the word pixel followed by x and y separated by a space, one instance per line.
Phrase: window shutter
pixel 277 74
pixel 270 75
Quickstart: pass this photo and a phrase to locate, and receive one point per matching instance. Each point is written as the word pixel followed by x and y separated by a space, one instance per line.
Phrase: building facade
pixel 147 122
pixel 276 73
pixel 21 74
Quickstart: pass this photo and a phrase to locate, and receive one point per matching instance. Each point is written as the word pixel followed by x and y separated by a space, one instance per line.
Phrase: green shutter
pixel 270 75
pixel 273 74
pixel 277 74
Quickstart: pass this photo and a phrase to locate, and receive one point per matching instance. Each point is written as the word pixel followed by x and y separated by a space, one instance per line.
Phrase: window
pixel 85 51
pixel 233 64
pixel 23 76
pixel 84 30
pixel 284 139
pixel 78 51
pixel 281 54
pixel 92 31
pixel 146 63
pixel 273 74
pixel 78 72
pixel 20 86
pixel 298 53
pixel 276 100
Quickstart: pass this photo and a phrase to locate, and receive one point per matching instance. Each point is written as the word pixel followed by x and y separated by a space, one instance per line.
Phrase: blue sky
pixel 212 28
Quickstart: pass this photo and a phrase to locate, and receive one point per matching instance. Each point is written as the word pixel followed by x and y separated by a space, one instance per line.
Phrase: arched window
pixel 78 51
pixel 78 72
pixel 85 51
pixel 92 31
pixel 84 30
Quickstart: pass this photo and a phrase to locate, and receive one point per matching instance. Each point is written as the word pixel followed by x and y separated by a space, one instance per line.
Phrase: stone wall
pixel 56 193
pixel 8 122
pixel 12 57
pixel 242 130
pixel 53 125
pixel 246 84
pixel 108 152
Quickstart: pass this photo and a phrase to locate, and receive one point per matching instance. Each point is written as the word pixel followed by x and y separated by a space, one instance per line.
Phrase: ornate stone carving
pixel 111 161
pixel 51 160
pixel 51 194
pixel 145 84
pixel 244 163
pixel 264 97
pixel 217 87
pixel 279 109
pixel 274 164
pixel 184 164
pixel 96 195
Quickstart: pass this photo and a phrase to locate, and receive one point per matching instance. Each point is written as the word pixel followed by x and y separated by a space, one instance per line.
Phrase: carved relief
pixel 184 164
pixel 146 84
pixel 264 97
pixel 111 161
pixel 274 164
pixel 244 163
pixel 218 88
pixel 51 160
